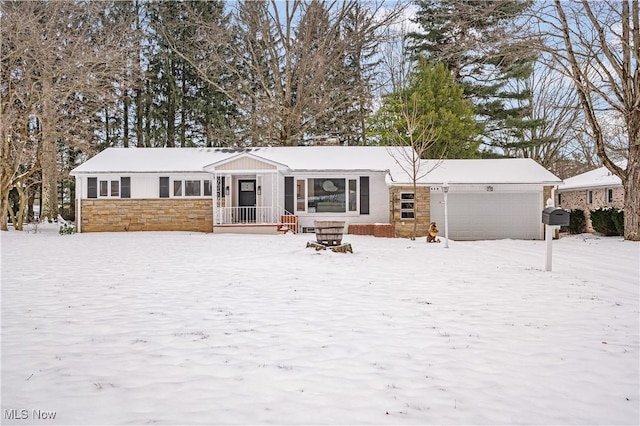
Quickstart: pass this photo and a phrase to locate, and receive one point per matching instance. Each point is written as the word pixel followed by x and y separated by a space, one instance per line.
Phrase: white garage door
pixel 489 215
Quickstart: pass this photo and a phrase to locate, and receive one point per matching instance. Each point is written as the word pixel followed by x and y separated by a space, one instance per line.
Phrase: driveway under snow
pixel 188 328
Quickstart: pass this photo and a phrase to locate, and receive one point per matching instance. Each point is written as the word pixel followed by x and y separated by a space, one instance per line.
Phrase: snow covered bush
pixel 67 228
pixel 608 221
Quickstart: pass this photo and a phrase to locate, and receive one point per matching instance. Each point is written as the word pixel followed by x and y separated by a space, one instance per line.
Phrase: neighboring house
pixel 275 188
pixel 589 191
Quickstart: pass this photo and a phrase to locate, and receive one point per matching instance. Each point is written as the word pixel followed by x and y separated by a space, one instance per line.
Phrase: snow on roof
pixel 485 171
pixel 320 158
pixel 594 178
pixel 140 160
pixel 118 160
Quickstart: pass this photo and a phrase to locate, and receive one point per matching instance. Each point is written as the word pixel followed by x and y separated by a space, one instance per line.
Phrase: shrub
pixel 618 220
pixel 67 228
pixel 577 222
pixel 602 221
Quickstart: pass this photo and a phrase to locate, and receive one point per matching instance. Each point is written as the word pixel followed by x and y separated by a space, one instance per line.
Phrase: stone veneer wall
pixel 570 200
pixel 147 215
pixel 404 227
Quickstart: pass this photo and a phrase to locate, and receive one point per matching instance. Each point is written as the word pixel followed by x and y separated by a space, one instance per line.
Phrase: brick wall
pixel 570 200
pixel 404 227
pixel 377 229
pixel 147 215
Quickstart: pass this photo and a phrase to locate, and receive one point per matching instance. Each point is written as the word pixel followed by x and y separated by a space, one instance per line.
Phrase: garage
pixel 476 213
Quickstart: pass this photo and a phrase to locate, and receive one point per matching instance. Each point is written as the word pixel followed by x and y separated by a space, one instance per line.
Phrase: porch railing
pixel 249 215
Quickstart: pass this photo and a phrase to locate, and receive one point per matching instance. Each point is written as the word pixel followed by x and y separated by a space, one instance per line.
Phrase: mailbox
pixel 555 217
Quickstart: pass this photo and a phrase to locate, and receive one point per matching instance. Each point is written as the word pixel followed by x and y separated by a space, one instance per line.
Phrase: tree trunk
pixel 22 207
pixel 125 119
pixel 4 211
pixel 48 161
pixel 632 195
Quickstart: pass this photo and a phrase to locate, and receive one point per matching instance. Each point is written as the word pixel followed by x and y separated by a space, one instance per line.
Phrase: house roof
pixel 600 177
pixel 119 160
pixel 321 158
pixel 485 171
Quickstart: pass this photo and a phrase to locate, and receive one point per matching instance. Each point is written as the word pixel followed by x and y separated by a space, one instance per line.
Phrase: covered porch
pixel 249 196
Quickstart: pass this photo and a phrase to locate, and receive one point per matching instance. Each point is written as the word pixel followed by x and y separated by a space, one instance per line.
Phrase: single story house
pixel 589 191
pixel 277 188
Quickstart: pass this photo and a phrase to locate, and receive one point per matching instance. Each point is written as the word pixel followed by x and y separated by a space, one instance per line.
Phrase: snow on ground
pixel 189 328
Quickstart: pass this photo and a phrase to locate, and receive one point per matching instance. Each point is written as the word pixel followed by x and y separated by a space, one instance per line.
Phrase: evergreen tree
pixel 437 102
pixel 474 39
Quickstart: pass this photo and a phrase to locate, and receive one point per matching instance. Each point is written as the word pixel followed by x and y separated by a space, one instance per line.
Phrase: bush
pixel 67 229
pixel 602 221
pixel 618 220
pixel 577 222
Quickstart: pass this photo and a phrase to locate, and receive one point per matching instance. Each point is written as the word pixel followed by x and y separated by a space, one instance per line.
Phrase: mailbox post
pixel 552 217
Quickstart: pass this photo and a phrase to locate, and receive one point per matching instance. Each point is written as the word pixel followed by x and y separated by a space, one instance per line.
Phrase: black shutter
pixel 125 187
pixel 92 188
pixel 288 194
pixel 364 194
pixel 164 187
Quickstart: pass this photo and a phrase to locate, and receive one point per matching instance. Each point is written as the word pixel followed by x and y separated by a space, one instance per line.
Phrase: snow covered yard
pixel 188 328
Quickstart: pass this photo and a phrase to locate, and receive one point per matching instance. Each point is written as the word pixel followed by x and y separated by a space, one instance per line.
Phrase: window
pixel 609 195
pixel 115 188
pixel 559 199
pixel 300 195
pixel 125 187
pixel 407 200
pixel 164 187
pixel 353 200
pixel 589 196
pixel 177 188
pixel 192 188
pixel 92 188
pixel 327 195
pixel 104 186
pixel 207 188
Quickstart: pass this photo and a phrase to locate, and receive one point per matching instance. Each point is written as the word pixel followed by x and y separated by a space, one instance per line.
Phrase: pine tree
pixel 473 38
pixel 434 97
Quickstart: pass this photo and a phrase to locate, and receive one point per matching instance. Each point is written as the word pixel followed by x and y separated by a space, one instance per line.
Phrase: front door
pixel 247 200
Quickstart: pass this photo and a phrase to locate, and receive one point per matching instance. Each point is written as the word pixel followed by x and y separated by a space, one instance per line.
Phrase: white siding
pixel 146 185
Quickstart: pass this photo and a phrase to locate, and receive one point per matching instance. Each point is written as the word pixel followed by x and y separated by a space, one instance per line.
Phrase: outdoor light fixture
pixel 259 190
pixel 489 188
pixel 226 190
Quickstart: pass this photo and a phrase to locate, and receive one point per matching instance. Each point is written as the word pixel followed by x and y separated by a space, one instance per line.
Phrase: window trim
pixel 92 187
pixel 311 181
pixel 189 185
pixel 407 213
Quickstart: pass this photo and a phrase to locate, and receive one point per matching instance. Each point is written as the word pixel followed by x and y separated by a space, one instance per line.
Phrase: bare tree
pixel 597 46
pixel 284 59
pixel 418 132
pixel 553 111
pixel 60 62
